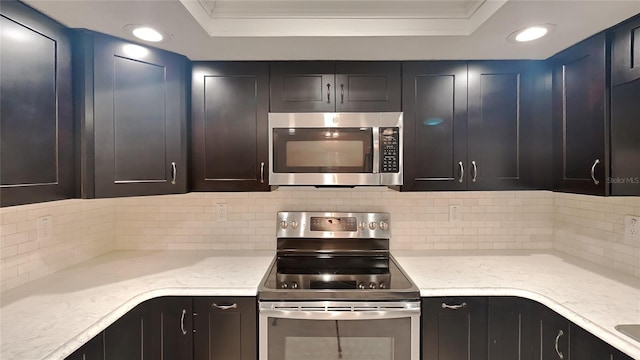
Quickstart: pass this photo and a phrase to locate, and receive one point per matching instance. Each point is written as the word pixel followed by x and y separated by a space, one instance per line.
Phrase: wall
pixel 588 227
pixel 82 229
pixel 490 220
pixel 592 228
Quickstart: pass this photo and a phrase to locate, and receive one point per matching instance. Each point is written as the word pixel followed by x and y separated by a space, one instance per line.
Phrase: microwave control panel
pixel 390 150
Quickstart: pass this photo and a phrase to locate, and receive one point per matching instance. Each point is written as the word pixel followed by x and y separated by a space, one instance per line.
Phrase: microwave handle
pixel 376 149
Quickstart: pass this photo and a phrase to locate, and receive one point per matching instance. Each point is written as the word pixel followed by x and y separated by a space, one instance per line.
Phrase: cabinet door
pixel 499 92
pixel 155 329
pixel 625 146
pixel 93 350
pixel 230 126
pixel 551 335
pixel 580 118
pixel 225 328
pixel 454 328
pixel 509 327
pixel 435 125
pixel 585 346
pixel 36 119
pixel 368 86
pixel 625 52
pixel 303 86
pixel 139 119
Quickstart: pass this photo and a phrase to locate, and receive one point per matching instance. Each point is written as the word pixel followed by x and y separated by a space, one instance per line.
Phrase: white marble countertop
pixel 592 297
pixel 52 317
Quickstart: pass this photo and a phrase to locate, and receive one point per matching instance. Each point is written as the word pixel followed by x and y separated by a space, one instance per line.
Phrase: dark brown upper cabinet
pixel 625 52
pixel 343 86
pixel 625 107
pixel 36 116
pixel 132 117
pixel 581 118
pixel 470 125
pixel 229 147
pixel 435 125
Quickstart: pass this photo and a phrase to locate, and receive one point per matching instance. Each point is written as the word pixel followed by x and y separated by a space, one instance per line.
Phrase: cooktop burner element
pixel 328 256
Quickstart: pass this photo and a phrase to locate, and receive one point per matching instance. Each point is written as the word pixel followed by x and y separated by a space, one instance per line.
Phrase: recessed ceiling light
pixel 145 33
pixel 531 33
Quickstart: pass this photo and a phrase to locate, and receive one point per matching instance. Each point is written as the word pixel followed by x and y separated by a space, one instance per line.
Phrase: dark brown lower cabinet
pixel 454 328
pixel 504 328
pixel 93 350
pixel 225 328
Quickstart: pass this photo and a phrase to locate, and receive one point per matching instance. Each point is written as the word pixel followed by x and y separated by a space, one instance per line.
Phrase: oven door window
pixel 323 150
pixel 294 339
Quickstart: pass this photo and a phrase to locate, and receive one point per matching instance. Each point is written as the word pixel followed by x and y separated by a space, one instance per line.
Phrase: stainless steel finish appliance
pixel 344 149
pixel 334 291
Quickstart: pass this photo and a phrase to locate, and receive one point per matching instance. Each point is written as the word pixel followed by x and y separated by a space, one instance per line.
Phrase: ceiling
pixel 347 29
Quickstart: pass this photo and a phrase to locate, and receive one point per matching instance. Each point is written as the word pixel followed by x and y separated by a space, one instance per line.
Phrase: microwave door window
pixel 323 150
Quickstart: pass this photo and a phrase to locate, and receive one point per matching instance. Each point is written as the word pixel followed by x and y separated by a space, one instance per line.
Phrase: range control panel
pixel 303 224
pixel 389 149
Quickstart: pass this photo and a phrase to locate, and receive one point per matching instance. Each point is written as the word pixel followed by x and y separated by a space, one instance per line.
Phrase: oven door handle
pixel 340 315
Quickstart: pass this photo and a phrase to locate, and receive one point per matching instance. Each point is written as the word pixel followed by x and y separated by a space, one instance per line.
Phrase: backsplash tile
pixel 490 220
pixel 82 229
pixel 592 228
pixel 588 227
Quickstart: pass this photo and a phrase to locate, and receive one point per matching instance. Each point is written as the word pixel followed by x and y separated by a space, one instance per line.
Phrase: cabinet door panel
pixel 509 329
pixel 579 116
pixel 551 332
pixel 225 331
pixel 302 86
pixel 454 333
pixel 140 120
pixel 36 94
pixel 435 125
pixel 230 126
pixel 625 150
pixel 496 99
pixel 177 327
pixel 625 52
pixel 368 86
pixel 584 346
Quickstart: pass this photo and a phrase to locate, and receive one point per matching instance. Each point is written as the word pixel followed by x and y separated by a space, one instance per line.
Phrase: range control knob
pixel 283 224
pixel 372 285
pixel 294 285
pixel 363 225
pixel 383 225
pixel 294 224
pixel 372 226
pixel 382 285
pixel 284 285
pixel 361 286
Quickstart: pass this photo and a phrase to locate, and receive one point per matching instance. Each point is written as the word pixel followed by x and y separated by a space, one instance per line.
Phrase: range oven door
pixel 339 330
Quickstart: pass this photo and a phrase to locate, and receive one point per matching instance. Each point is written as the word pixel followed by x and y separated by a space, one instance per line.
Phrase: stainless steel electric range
pixel 335 292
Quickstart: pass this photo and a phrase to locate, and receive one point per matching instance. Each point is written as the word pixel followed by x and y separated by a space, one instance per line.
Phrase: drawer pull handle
pixel 174 172
pixel 341 93
pixel 328 93
pixel 454 307
pixel 593 172
pixel 184 312
pixel 461 171
pixel 262 173
pixel 475 171
pixel 560 355
pixel 225 307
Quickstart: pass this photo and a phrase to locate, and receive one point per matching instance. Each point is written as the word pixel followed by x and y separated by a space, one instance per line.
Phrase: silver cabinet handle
pixel 262 172
pixel 593 171
pixel 475 171
pixel 328 93
pixel 454 307
pixel 461 171
pixel 225 307
pixel 184 312
pixel 174 172
pixel 560 355
pixel 341 93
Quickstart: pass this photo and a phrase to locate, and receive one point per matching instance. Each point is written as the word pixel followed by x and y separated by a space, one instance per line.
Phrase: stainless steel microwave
pixel 341 149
